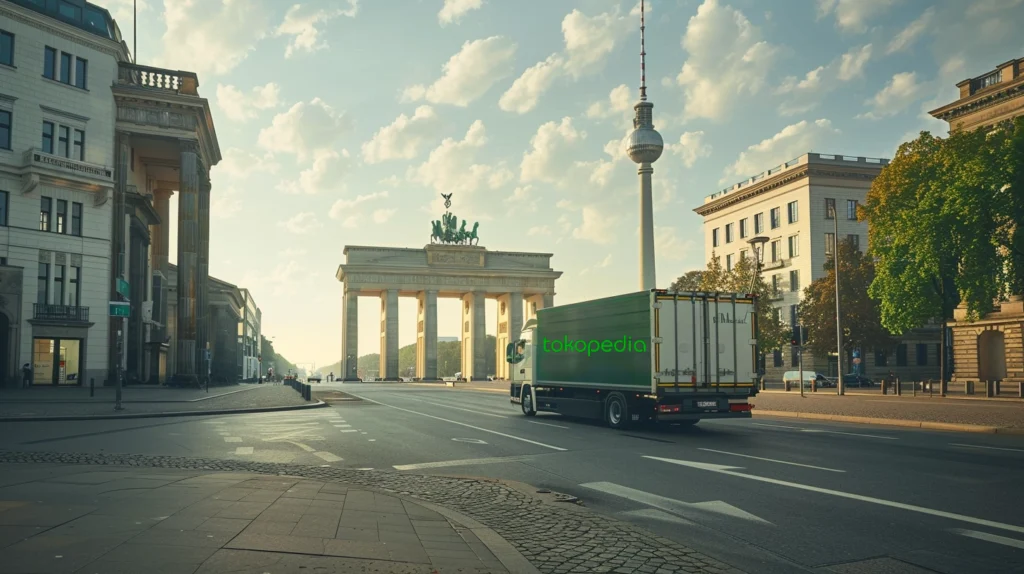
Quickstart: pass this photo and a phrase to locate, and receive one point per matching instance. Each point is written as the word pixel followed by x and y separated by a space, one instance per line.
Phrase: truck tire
pixel 616 411
pixel 527 402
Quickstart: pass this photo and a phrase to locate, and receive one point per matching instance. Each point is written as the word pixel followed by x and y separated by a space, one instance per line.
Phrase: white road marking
pixel 327 456
pixel 990 538
pixel 548 424
pixel 213 422
pixel 243 450
pixel 463 409
pixel 371 440
pixel 364 469
pixel 343 426
pixel 851 434
pixel 771 460
pixel 656 515
pixel 986 447
pixel 670 504
pixel 777 426
pixel 470 440
pixel 463 462
pixel 350 430
pixel 232 439
pixel 558 448
pixel 730 470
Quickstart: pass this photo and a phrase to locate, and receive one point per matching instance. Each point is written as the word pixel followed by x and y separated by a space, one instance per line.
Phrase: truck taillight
pixel 740 407
pixel 668 408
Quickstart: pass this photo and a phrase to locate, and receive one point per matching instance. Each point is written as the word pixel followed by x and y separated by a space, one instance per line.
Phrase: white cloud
pixel 239 106
pixel 538 230
pixel 225 202
pixel 620 102
pixel 545 160
pixel 523 197
pixel 345 207
pixel 854 15
pixel 454 10
pixel 606 262
pixel 912 32
pixel 450 168
pixel 793 141
pixel 804 94
pixel 327 174
pixel 727 60
pixel 596 227
pixel 391 181
pixel 301 24
pixel 304 129
pixel 301 223
pixel 531 85
pixel 237 163
pixel 210 37
pixel 469 74
pixel 668 245
pixel 852 63
pixel 590 39
pixel 403 138
pixel 690 148
pixel 810 82
pixel 901 91
pixel 383 215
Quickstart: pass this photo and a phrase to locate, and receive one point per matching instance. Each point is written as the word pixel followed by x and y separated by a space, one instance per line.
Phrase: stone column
pixel 203 278
pixel 426 336
pixel 350 334
pixel 118 266
pixel 510 324
pixel 187 357
pixel 389 335
pixel 474 358
pixel 160 235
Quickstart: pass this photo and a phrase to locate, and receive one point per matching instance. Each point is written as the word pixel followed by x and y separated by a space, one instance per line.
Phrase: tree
pixel 689 281
pixel 862 325
pixel 270 357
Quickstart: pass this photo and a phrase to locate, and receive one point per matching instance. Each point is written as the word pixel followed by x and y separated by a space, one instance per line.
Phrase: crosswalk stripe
pixel 243 450
pixel 1005 541
pixel 327 456
pixel 232 439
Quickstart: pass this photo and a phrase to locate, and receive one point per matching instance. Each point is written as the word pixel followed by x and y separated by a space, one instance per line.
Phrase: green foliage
pixel 944 225
pixel 270 357
pixel 689 281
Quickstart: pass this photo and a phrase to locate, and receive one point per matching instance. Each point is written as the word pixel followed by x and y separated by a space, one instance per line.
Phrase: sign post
pixel 123 310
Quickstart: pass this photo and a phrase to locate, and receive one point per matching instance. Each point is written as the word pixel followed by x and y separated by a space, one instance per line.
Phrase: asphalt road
pixel 766 495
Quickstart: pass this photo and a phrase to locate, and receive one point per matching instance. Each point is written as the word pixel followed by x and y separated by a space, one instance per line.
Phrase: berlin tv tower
pixel 644 146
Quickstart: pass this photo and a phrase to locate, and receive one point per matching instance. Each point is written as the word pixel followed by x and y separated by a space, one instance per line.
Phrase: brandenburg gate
pixel 452 266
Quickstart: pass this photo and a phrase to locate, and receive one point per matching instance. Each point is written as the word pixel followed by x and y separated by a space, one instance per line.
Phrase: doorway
pixel 56 362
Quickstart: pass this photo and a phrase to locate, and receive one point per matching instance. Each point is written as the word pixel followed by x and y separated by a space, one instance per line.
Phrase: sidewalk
pixel 109 513
pixel 922 411
pixel 75 403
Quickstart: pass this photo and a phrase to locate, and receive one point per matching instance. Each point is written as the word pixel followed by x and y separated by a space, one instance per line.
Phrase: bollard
pixel 969 388
pixel 1020 390
pixel 309 392
pixel 92 386
pixel 915 388
pixel 787 385
pixel 899 389
pixel 989 388
pixel 814 385
pixel 885 388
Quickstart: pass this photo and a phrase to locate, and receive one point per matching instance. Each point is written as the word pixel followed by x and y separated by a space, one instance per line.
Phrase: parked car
pixel 852 380
pixel 314 378
pixel 793 377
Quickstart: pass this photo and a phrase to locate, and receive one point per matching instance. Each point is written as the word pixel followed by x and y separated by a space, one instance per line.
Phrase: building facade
pixel 249 339
pixel 56 187
pixel 226 312
pixel 986 100
pixel 792 205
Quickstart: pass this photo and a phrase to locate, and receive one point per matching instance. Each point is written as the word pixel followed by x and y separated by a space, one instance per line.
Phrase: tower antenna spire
pixel 643 57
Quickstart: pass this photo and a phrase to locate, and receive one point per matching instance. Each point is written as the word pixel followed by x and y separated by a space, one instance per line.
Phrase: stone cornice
pixel 159 111
pixel 370 248
pixel 785 178
pixel 65 31
pixel 979 101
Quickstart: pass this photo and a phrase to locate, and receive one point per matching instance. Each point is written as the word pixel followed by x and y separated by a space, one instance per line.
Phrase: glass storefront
pixel 56 361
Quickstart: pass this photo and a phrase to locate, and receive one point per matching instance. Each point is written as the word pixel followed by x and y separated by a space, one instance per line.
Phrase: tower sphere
pixel 644 145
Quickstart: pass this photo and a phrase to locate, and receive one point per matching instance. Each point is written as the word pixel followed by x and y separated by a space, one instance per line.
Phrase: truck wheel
pixel 616 412
pixel 527 402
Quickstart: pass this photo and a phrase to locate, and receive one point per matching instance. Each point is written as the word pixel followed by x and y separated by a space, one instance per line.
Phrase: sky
pixel 342 121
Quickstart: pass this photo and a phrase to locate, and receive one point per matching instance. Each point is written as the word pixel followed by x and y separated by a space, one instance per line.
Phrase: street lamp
pixel 840 388
pixel 757 245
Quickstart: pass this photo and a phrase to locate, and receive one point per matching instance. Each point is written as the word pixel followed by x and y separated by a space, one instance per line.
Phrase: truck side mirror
pixel 512 356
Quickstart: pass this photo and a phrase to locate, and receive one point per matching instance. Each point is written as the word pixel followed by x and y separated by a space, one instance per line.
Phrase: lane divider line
pixel 986 447
pixel 770 460
pixel 462 462
pixel 1012 542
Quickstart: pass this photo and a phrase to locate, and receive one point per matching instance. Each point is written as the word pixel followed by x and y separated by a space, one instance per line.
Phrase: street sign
pixel 120 309
pixel 123 288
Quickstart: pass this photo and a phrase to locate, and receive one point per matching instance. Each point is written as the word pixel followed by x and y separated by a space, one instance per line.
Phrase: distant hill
pixel 449 359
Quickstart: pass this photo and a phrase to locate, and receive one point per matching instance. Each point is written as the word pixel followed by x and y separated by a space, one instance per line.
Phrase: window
pixel 4 199
pixel 830 244
pixel 5 129
pixel 830 208
pixel 3 261
pixel 728 262
pixel 776 279
pixel 758 223
pixel 76 218
pixel 65 68
pixel 75 286
pixel 777 358
pixel 58 284
pixel 78 152
pixel 728 233
pixel 901 355
pixel 62 216
pixel 794 245
pixel 851 209
pixel 922 354
pixel 743 228
pixel 45 207
pixel 43 284
pixel 793 318
pixel 743 254
pixel 70 10
pixel 48 137
pixel 794 280
pixel 714 237
pixel 792 211
pixel 881 360
pixel 776 217
pixel 50 63
pixel 854 240
pixel 81 72
pixel 776 250
pixel 6 48
pixel 63 140
pixel 989 80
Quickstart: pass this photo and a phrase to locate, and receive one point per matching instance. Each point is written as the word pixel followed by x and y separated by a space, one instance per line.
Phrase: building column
pixel 538 301
pixel 187 357
pixel 122 170
pixel 350 335
pixel 160 237
pixel 510 324
pixel 203 279
pixel 389 335
pixel 474 358
pixel 426 336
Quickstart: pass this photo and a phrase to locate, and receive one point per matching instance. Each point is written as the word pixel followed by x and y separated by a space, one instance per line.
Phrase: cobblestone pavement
pixel 261 397
pixel 129 394
pixel 555 537
pixel 988 413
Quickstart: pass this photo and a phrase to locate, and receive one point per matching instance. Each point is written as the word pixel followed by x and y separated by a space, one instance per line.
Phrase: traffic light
pixel 796 339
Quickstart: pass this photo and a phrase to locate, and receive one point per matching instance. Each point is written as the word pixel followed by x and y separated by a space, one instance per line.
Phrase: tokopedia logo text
pixel 567 345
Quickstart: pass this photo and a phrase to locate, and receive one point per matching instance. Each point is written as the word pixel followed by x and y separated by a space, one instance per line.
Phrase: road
pixel 766 495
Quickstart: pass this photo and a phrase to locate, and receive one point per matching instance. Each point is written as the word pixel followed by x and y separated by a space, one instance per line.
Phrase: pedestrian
pixel 330 377
pixel 26 375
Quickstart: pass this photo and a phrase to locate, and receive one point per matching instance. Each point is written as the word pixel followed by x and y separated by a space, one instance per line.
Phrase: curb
pixel 905 395
pixel 94 400
pixel 316 405
pixel 926 425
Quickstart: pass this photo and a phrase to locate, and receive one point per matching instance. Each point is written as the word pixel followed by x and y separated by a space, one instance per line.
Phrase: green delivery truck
pixel 652 356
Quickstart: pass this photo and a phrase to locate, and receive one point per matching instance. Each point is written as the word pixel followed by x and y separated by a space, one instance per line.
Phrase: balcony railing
pixel 60 312
pixel 170 81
